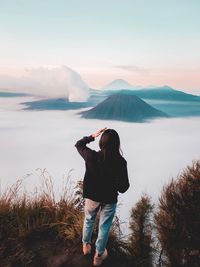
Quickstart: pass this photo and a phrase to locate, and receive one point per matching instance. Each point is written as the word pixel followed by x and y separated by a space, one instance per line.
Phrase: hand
pixel 98 132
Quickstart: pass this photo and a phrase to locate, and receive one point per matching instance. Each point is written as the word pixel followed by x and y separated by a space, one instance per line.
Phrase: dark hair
pixel 109 144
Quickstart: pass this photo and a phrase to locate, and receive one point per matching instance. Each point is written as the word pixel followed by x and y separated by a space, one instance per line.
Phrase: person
pixel 106 175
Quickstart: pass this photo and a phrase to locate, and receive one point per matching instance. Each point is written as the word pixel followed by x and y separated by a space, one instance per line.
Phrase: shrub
pixel 140 241
pixel 178 219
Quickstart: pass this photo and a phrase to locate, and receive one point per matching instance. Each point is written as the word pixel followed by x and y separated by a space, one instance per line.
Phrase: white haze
pixel 155 152
pixel 48 82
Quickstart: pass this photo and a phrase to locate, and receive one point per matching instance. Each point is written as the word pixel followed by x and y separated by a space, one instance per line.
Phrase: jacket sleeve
pixel 123 183
pixel 83 150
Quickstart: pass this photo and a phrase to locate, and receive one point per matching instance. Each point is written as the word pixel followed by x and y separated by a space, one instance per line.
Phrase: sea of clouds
pixel 155 151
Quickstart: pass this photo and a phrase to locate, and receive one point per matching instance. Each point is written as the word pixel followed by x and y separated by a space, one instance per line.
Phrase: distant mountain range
pixel 171 101
pixel 124 107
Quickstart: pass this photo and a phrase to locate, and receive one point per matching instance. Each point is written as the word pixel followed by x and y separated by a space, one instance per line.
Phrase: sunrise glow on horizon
pixel 145 42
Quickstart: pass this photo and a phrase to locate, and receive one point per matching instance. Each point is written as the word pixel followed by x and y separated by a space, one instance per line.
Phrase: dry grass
pixel 32 225
pixel 178 219
pixel 22 213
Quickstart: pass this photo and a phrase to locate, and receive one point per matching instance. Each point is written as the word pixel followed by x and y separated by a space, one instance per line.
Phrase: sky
pixel 145 42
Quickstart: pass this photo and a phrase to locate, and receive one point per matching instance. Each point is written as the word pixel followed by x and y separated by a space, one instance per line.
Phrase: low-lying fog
pixel 155 151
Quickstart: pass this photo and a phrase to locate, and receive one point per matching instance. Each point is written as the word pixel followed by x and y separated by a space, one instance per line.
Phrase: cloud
pixel 50 82
pixel 133 68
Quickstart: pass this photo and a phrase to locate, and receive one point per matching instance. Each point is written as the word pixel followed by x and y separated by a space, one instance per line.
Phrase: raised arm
pixel 83 150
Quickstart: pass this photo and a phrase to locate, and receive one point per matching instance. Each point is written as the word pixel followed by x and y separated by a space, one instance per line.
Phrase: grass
pixel 22 213
pixel 35 226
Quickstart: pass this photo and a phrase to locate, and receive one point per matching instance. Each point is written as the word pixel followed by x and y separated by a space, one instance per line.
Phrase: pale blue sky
pixel 158 40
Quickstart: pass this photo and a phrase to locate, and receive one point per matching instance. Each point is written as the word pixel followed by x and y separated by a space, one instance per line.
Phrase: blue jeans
pixel 107 212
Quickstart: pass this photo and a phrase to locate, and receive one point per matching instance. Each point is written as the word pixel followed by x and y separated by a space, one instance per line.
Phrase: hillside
pixel 165 93
pixel 12 94
pixel 39 231
pixel 124 107
pixel 53 104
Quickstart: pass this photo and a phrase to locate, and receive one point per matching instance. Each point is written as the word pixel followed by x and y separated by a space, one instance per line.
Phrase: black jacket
pixel 103 179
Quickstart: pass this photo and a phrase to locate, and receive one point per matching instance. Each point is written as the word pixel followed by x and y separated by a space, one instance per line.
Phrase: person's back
pixel 105 178
pixel 106 175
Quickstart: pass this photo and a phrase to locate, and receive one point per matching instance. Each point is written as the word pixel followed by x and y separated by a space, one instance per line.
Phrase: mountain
pixel 118 84
pixel 123 107
pixel 171 101
pixel 12 94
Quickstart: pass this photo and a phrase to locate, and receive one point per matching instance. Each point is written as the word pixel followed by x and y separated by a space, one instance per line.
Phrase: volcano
pixel 123 107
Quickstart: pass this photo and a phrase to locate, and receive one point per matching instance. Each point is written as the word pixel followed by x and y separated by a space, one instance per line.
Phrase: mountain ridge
pixel 159 93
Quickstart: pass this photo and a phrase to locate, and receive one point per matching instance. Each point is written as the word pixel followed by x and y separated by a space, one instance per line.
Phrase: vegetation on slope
pixel 40 230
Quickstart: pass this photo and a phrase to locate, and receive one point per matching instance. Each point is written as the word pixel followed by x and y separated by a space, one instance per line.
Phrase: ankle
pixel 99 254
